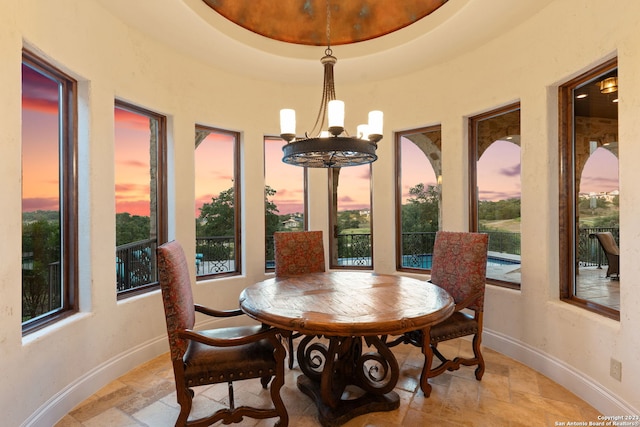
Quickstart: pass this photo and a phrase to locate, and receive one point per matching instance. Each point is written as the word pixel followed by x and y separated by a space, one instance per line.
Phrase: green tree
pixel 585 205
pixel 131 228
pixel 271 217
pixel 217 217
pixel 616 201
pixel 348 220
pixel 501 209
pixel 420 213
pixel 611 221
pixel 41 244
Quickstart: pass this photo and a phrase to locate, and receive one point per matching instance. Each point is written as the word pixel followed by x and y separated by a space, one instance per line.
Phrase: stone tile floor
pixel 510 394
pixel 593 285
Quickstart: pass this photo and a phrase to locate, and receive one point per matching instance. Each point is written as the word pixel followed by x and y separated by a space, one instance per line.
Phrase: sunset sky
pixel 132 162
pixel 213 168
pixel 498 168
pixel 287 180
pixel 40 181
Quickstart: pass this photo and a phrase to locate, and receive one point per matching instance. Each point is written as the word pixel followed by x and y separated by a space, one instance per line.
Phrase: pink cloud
pixel 137 207
pixel 40 203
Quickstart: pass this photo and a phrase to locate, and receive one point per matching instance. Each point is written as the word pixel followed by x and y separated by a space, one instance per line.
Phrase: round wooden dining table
pixel 344 317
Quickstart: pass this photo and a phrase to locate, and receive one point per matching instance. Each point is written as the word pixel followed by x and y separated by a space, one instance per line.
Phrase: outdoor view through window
pixel 595 165
pixel 47 144
pixel 419 195
pixel 216 207
pixel 138 141
pixel 350 210
pixel 495 208
pixel 284 196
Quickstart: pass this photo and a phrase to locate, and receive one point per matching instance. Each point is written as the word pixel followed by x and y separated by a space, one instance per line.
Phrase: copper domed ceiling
pixel 304 21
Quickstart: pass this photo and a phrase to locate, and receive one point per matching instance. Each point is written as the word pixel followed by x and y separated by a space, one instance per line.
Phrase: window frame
pixel 567 192
pixel 237 188
pixel 161 192
pixel 67 169
pixel 398 198
pixel 473 174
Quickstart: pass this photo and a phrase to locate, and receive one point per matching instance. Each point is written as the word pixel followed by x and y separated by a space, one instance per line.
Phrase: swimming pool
pixel 424 261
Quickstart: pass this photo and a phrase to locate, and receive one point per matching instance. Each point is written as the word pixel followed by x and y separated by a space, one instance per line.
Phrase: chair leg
pixel 428 360
pixel 478 355
pixel 277 383
pixel 185 400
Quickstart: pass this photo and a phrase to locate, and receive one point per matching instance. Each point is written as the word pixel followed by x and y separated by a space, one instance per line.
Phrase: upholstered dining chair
pixel 222 355
pixel 297 252
pixel 459 265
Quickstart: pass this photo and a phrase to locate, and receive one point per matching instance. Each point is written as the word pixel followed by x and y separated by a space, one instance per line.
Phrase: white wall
pixel 47 373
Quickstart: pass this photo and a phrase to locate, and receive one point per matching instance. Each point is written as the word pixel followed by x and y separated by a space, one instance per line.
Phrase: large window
pixel 140 146
pixel 217 210
pixel 49 228
pixel 589 191
pixel 350 217
pixel 418 196
pixel 285 195
pixel 494 164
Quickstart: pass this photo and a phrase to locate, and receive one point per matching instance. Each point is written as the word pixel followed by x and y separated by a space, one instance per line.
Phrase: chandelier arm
pixel 328 94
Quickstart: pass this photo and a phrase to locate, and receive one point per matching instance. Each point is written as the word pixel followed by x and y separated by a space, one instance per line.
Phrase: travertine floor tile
pixel 510 394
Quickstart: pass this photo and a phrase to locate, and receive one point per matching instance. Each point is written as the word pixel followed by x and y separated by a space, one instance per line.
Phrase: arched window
pixel 418 196
pixel 589 192
pixel 494 152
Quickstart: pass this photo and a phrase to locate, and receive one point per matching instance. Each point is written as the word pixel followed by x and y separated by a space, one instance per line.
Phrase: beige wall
pixel 46 373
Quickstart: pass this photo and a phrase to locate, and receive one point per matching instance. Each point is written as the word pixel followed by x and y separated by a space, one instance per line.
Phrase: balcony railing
pixel 590 252
pixel 215 255
pixel 136 264
pixel 355 249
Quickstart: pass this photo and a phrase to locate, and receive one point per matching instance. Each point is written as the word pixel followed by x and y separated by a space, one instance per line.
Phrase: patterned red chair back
pixel 298 252
pixel 177 296
pixel 459 265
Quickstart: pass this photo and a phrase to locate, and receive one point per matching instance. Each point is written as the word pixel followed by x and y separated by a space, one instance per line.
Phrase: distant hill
pixel 41 216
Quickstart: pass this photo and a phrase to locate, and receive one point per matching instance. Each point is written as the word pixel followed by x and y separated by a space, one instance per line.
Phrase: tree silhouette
pixel 420 213
pixel 271 217
pixel 217 217
pixel 41 280
pixel 131 228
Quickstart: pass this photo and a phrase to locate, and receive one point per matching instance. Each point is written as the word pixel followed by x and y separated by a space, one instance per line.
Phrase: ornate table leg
pixel 330 369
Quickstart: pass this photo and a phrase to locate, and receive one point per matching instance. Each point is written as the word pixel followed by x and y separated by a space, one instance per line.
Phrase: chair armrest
pixel 217 313
pixel 466 302
pixel 228 342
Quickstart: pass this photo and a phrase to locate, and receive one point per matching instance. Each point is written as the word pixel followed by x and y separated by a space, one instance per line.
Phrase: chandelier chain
pixel 328 27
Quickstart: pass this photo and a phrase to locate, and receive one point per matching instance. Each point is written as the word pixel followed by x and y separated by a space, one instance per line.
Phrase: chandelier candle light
pixel 332 148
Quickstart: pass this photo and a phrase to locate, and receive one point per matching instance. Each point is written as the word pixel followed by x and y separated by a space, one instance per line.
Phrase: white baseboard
pixel 83 387
pixel 75 393
pixel 560 372
pixel 581 385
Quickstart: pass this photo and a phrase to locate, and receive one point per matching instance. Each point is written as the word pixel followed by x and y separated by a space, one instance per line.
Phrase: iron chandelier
pixel 334 147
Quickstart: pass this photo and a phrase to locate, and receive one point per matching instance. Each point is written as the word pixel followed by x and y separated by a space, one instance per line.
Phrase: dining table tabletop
pixel 345 317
